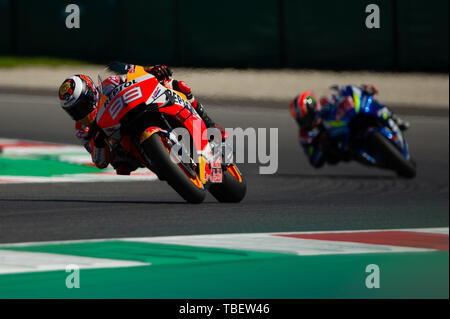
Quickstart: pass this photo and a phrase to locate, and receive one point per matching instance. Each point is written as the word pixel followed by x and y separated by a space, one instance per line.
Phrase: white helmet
pixel 78 96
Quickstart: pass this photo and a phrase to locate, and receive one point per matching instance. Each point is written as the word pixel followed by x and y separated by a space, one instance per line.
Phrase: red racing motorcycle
pixel 144 117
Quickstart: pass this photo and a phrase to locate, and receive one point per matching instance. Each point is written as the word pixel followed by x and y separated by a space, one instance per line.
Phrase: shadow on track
pixel 91 201
pixel 329 176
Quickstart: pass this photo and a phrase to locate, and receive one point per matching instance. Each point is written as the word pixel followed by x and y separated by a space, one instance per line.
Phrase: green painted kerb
pixel 190 272
pixel 41 167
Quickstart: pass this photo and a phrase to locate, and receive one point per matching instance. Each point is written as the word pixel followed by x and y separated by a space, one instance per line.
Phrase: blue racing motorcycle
pixel 367 132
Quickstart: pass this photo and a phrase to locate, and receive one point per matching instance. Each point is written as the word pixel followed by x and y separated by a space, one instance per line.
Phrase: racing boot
pixel 123 162
pixel 208 121
pixel 186 90
pixel 123 169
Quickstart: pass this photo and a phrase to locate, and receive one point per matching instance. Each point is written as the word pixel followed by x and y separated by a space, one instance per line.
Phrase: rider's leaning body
pixel 80 98
pixel 323 123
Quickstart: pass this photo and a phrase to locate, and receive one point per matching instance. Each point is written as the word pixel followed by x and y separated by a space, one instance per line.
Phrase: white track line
pixel 278 244
pixel 22 262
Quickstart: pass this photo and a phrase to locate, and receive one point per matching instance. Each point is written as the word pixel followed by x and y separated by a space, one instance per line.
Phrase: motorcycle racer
pixel 318 142
pixel 79 97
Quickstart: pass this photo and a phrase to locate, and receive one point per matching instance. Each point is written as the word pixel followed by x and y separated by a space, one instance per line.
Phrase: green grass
pixel 12 61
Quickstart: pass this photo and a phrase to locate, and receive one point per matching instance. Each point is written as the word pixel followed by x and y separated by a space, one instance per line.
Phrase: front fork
pixel 220 160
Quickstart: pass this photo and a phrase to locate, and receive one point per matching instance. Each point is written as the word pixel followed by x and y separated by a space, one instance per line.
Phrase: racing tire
pixel 191 190
pixel 392 156
pixel 233 187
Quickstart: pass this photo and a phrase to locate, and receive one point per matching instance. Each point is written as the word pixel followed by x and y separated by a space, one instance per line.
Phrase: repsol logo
pixel 119 88
pixel 176 98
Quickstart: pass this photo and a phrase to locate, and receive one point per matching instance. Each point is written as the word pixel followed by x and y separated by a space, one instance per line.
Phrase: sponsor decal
pixel 118 89
pixel 156 93
pixel 173 97
pixel 123 86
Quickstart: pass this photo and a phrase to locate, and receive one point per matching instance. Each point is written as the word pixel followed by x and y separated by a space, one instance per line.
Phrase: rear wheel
pixel 392 156
pixel 183 179
pixel 233 187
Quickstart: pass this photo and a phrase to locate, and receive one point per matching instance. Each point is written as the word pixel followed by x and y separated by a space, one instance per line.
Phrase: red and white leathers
pixel 100 154
pixel 103 154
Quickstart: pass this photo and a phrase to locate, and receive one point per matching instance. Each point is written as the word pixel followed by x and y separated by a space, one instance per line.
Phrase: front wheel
pixel 392 156
pixel 183 180
pixel 233 187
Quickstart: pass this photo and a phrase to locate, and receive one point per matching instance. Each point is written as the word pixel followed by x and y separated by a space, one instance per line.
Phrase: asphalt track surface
pixel 296 198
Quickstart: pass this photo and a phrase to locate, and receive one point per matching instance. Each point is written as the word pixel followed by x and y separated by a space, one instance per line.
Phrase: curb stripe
pixel 391 238
pixel 278 244
pixel 15 152
pixel 287 243
pixel 22 262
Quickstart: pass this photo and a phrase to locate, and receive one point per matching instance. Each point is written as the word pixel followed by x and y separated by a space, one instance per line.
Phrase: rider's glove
pixel 369 89
pixel 161 72
pixel 82 133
